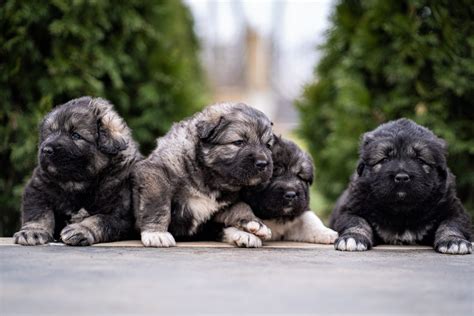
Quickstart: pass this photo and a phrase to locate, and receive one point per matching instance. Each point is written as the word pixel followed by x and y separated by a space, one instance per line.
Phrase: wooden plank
pixel 6 241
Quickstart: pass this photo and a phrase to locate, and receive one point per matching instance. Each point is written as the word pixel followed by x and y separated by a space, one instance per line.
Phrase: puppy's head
pixel 78 138
pixel 235 144
pixel 287 193
pixel 402 163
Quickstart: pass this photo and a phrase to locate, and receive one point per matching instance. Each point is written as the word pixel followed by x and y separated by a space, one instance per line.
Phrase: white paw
pixel 350 244
pixel 323 236
pixel 455 246
pixel 258 229
pixel 240 238
pixel 158 239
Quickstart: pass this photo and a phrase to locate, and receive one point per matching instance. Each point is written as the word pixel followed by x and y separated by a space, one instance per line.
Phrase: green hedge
pixel 384 60
pixel 141 55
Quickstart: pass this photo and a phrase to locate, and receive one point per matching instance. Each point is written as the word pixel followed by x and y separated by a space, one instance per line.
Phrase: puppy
pixel 282 204
pixel 198 169
pixel 402 193
pixel 80 191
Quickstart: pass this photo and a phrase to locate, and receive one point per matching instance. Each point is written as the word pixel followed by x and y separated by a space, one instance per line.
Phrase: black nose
pixel 261 164
pixel 402 177
pixel 47 150
pixel 289 195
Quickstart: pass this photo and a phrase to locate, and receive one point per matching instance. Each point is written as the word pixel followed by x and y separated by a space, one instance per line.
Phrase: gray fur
pixel 198 169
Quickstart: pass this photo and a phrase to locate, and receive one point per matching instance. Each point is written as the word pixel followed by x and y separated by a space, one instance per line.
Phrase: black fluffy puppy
pixel 80 192
pixel 402 193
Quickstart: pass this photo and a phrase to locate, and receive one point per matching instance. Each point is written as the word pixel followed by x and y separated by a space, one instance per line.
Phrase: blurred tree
pixel 141 55
pixel 383 60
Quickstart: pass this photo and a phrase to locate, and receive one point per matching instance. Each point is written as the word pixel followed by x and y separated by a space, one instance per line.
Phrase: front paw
pixel 257 228
pixel 32 237
pixel 352 242
pixel 158 239
pixel 454 246
pixel 240 238
pixel 322 236
pixel 77 235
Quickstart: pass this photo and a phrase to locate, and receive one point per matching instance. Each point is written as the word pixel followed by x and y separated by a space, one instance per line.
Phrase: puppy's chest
pixel 403 237
pixel 199 207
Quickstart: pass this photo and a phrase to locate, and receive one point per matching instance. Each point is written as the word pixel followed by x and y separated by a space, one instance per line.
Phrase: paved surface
pixel 205 279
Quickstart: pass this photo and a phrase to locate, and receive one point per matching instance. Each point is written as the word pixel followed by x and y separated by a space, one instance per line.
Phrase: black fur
pixel 402 192
pixel 292 173
pixel 80 192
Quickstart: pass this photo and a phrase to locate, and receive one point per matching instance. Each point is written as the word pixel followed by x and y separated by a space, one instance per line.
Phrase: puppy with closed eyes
pixel 402 193
pixel 80 192
pixel 198 169
pixel 281 204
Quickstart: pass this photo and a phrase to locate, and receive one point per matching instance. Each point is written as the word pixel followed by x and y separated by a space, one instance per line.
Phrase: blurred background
pixel 324 71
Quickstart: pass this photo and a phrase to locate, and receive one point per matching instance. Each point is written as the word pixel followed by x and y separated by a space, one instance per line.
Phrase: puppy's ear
pixel 360 168
pixel 111 129
pixel 207 129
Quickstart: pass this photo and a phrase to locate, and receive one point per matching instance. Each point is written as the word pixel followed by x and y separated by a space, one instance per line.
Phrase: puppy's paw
pixel 323 236
pixel 240 238
pixel 77 235
pixel 32 237
pixel 158 239
pixel 352 242
pixel 454 246
pixel 258 229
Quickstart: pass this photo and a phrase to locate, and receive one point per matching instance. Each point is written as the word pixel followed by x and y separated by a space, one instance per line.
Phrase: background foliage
pixel 389 59
pixel 141 55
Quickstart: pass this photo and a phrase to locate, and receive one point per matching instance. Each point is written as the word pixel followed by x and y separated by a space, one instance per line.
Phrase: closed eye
pixel 239 142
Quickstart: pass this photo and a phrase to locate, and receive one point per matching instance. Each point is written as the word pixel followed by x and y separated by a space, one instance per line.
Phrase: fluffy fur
pixel 282 204
pixel 198 169
pixel 80 192
pixel 402 193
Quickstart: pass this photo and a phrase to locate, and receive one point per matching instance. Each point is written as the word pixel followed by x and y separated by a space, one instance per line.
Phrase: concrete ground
pixel 210 278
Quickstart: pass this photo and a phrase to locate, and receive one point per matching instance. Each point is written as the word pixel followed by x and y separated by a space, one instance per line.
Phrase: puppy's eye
pixel 384 160
pixel 238 143
pixel 421 161
pixel 75 136
pixel 269 145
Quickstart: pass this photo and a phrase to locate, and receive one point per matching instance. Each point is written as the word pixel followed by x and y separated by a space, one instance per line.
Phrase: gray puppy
pixel 80 192
pixel 402 193
pixel 198 169
pixel 282 204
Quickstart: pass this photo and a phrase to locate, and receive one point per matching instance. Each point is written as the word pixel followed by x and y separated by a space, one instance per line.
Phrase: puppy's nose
pixel 402 177
pixel 261 164
pixel 290 195
pixel 47 150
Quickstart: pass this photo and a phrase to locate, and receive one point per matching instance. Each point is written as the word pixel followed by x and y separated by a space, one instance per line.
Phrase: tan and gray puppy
pixel 80 192
pixel 198 169
pixel 282 204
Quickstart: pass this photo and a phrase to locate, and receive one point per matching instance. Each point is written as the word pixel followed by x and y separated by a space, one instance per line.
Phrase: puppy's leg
pixel 152 207
pixel 95 229
pixel 308 228
pixel 241 216
pixel 37 219
pixel 355 234
pixel 235 236
pixel 452 235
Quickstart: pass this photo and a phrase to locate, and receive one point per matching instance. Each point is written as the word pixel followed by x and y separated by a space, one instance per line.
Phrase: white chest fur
pixel 202 206
pixel 406 237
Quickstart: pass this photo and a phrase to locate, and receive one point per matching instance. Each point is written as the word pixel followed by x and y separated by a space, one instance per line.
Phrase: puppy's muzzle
pixel 290 195
pixel 47 150
pixel 402 178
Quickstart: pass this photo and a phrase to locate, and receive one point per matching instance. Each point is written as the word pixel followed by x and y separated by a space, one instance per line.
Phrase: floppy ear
pixel 111 129
pixel 206 129
pixel 360 168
